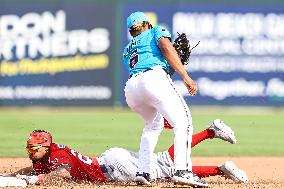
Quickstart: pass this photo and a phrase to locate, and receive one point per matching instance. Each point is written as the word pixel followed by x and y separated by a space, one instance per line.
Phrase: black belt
pixel 145 71
pixel 107 171
pixel 104 168
pixel 140 72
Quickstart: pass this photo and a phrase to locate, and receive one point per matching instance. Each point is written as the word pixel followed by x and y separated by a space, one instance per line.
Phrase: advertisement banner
pixel 58 54
pixel 240 57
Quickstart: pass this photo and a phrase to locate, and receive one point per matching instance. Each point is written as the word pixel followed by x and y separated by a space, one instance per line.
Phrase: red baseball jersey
pixel 82 168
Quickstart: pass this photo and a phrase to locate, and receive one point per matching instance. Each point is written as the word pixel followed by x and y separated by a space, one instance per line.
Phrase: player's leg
pixel 160 93
pixel 150 134
pixel 206 171
pixel 217 129
pixel 196 138
pixel 153 125
pixel 228 170
pixel 172 106
pixel 149 138
pixel 139 101
pixel 123 164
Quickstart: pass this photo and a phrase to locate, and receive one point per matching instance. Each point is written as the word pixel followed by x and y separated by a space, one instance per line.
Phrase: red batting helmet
pixel 39 137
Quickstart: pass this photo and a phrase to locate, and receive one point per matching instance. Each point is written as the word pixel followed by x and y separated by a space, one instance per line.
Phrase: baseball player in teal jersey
pixel 151 93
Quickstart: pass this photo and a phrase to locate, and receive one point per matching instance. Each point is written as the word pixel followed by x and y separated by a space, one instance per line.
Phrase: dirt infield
pixel 263 172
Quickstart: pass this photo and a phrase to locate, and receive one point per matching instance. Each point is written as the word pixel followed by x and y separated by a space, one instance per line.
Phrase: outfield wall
pixel 69 52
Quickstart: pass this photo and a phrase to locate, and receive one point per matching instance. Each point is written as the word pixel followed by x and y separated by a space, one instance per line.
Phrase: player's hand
pixel 32 179
pixel 191 86
pixel 29 179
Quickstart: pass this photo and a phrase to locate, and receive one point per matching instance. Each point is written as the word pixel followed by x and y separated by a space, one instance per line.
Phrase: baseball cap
pixel 135 18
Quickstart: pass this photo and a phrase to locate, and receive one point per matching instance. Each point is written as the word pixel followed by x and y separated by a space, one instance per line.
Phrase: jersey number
pixel 133 59
pixel 84 159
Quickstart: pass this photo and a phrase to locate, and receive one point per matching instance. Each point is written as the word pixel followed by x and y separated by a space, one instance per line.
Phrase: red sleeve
pixel 59 158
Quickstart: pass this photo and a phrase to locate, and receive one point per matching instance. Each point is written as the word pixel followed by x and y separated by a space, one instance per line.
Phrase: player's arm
pixel 63 171
pixel 23 171
pixel 173 59
pixel 10 180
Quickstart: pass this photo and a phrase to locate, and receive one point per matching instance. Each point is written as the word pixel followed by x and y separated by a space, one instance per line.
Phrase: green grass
pixel 93 130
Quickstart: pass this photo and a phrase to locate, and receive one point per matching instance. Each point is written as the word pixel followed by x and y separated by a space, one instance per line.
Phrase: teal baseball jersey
pixel 143 53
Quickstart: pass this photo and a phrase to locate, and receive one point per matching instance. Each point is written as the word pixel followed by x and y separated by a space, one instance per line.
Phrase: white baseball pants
pixel 153 95
pixel 122 164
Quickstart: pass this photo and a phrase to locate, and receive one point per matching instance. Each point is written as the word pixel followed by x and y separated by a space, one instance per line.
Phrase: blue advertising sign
pixel 56 54
pixel 240 58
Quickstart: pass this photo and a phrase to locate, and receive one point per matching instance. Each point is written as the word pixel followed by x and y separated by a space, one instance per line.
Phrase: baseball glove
pixel 182 46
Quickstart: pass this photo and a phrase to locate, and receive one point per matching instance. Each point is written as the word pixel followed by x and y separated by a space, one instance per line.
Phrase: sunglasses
pixel 34 149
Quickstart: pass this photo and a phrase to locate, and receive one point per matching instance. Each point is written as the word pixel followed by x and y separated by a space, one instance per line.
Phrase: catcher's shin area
pixel 12 182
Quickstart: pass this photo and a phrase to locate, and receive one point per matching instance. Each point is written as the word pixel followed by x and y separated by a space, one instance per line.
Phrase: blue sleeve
pixel 160 32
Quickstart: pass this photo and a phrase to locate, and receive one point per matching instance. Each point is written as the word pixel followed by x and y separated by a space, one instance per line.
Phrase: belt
pixel 136 74
pixel 102 164
pixel 140 72
pixel 104 168
pixel 107 170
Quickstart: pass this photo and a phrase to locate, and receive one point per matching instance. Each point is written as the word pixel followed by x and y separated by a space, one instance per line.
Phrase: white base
pixel 12 181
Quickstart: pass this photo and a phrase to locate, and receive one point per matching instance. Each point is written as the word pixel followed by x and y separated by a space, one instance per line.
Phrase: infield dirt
pixel 263 172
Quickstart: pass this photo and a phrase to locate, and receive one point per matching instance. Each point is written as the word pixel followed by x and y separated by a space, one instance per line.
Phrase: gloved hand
pixel 182 46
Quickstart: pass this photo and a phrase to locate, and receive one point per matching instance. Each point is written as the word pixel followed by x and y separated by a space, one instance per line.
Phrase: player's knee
pixel 155 125
pixel 181 124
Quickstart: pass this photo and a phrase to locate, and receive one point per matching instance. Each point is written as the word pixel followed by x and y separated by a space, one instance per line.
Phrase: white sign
pixel 45 34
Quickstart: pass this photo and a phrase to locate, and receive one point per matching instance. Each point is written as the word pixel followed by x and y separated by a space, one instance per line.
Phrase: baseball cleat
pixel 143 179
pixel 231 171
pixel 222 131
pixel 184 177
